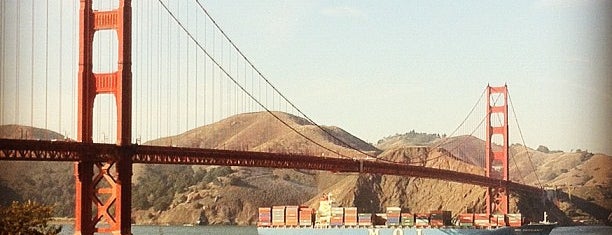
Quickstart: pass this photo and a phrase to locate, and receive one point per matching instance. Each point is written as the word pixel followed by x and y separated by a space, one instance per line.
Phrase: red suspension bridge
pixel 180 49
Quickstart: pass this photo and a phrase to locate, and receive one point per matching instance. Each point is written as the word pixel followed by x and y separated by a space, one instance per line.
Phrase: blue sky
pixel 377 68
pixel 374 68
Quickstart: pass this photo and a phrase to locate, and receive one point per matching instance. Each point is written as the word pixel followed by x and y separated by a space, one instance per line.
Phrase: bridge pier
pixel 83 173
pixel 104 188
pixel 124 194
pixel 496 159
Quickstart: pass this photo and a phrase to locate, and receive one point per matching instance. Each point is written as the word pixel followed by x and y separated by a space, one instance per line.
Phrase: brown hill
pixel 262 132
pixel 234 198
pixel 373 193
pixel 50 183
pixel 588 175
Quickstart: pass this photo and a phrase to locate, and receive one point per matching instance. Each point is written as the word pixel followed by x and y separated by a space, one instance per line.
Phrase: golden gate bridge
pixel 186 69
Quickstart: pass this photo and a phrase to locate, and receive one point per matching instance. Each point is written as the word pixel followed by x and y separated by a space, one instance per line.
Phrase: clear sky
pixel 374 68
pixel 377 68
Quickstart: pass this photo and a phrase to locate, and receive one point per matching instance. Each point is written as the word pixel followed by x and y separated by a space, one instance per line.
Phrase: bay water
pixel 68 229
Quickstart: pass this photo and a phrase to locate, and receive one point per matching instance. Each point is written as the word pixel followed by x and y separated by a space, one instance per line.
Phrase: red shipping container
pixel 421 219
pixel 265 217
pixel 466 218
pixel 350 216
pixel 306 216
pixel 481 220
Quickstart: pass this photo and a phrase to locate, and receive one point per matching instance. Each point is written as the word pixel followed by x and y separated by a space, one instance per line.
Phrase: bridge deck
pixel 38 150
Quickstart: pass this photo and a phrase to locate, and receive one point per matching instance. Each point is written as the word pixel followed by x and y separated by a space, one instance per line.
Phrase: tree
pixel 543 149
pixel 27 218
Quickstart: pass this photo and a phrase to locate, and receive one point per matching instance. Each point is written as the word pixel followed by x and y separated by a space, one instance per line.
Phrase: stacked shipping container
pixel 421 219
pixel 303 216
pixel 265 217
pixel 393 216
pixel 466 220
pixel 291 216
pixel 407 219
pixel 278 215
pixel 350 216
pixel 364 219
pixel 481 220
pixel 337 214
pixel 440 218
pixel 306 216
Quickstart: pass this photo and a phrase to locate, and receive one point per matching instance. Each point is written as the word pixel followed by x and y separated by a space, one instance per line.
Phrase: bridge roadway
pixel 38 150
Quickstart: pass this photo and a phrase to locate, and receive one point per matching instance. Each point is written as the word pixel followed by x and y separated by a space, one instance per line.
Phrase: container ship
pixel 327 219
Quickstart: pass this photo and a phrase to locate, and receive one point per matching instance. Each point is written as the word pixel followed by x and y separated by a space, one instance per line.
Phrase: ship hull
pixel 383 231
pixel 535 229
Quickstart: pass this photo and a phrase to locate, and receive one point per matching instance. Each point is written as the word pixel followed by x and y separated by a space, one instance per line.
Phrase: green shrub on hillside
pixel 162 183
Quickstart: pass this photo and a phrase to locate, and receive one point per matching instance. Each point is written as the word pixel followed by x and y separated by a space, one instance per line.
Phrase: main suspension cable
pixel 274 88
pixel 463 122
pixel 523 140
pixel 226 73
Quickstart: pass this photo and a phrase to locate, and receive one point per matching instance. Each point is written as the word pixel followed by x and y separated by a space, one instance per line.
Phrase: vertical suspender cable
pixel 204 67
pixel 111 114
pixel 237 100
pixel 169 77
pixel 160 87
pixel 149 80
pixel 61 52
pixel 244 98
pixel 221 80
pixel 252 103
pixel 73 71
pixel 187 80
pixel 158 74
pixel 258 86
pixel 245 102
pixel 230 102
pixel 115 68
pixel 212 68
pixel 17 46
pixel 32 68
pixel 229 88
pixel 196 75
pixel 98 106
pixel 2 74
pixel 46 62
pixel 236 87
pixel 178 72
pixel 138 70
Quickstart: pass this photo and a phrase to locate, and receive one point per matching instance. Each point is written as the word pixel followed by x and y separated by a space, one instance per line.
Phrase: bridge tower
pixel 103 189
pixel 496 157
